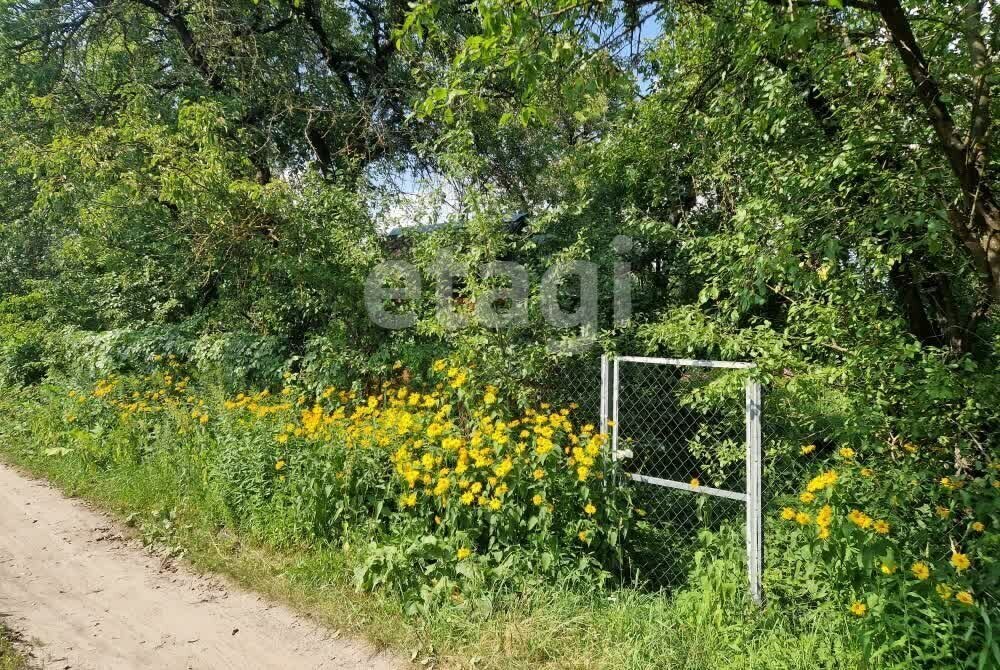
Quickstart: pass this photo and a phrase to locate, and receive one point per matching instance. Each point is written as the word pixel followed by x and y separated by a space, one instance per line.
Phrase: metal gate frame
pixel 751 499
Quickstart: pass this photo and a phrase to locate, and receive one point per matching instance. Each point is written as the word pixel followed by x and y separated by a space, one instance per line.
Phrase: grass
pixel 546 627
pixel 10 657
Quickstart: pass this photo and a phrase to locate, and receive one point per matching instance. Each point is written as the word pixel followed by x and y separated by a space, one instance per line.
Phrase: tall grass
pixel 538 625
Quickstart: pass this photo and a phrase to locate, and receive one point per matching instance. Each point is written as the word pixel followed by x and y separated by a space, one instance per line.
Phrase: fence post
pixel 605 392
pixel 753 488
pixel 614 411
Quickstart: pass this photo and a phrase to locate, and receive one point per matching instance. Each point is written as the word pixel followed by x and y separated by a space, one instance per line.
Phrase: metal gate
pixel 688 436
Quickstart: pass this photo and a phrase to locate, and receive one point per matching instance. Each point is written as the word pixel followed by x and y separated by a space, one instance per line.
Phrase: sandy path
pixel 96 602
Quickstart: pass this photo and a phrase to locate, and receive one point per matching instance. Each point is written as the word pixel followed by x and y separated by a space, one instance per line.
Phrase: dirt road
pixel 94 601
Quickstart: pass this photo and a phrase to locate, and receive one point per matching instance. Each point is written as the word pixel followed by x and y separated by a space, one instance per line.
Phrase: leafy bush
pixel 22 340
pixel 902 542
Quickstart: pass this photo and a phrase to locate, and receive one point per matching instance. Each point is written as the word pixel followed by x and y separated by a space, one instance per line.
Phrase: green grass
pixel 10 657
pixel 709 626
pixel 547 627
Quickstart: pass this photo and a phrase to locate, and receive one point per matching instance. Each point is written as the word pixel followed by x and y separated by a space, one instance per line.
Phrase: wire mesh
pixel 573 381
pixel 686 425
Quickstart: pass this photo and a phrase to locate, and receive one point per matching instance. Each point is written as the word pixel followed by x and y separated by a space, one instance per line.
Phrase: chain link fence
pixel 680 433
pixel 685 425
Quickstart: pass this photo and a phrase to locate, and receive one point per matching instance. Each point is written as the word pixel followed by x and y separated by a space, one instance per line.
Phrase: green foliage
pixel 22 340
pixel 807 185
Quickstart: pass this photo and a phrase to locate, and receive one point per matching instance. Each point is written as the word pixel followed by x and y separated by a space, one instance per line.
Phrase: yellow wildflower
pixel 920 570
pixel 279 466
pixel 964 597
pixel 822 481
pixel 808 449
pixel 807 497
pixel 802 519
pixel 464 553
pixel 590 509
pixel 538 499
pixel 859 609
pixel 694 483
pixel 881 527
pixel 859 519
pixel 943 590
pixel 979 526
pixel 960 561
pixel 788 514
pixel 846 452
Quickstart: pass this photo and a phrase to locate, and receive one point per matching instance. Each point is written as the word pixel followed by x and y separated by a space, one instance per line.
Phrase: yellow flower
pixel 439 365
pixel 590 509
pixel 860 519
pixel 943 590
pixel 859 609
pixel 920 570
pixel 582 472
pixel 807 497
pixel 467 498
pixel 464 553
pixel 802 519
pixel 495 504
pixel 867 472
pixel 846 452
pixel 808 449
pixel 409 500
pixel 584 537
pixel 960 561
pixel 887 568
pixel 694 483
pixel 281 439
pixel 943 512
pixel 881 527
pixel 822 481
pixel 203 419
pixel 979 526
pixel 788 514
pixel 824 517
pixel 964 597
pixel 538 473
pixel 490 397
pixel 538 499
pixel 279 466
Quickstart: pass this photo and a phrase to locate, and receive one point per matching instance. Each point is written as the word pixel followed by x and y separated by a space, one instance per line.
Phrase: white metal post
pixel 605 392
pixel 614 413
pixel 753 489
